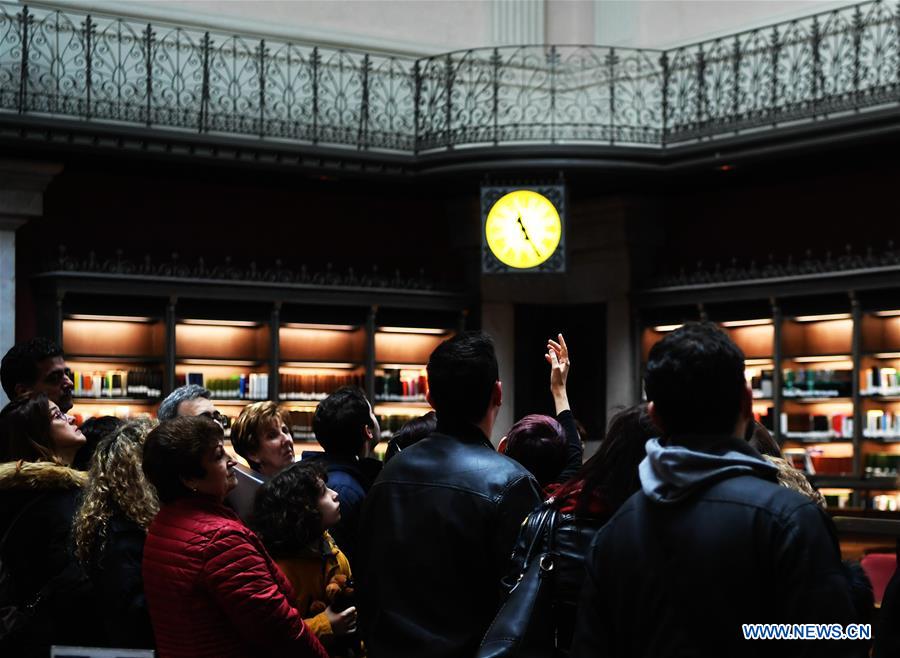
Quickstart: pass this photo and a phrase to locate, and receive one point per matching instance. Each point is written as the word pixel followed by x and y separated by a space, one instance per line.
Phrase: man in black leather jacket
pixel 440 521
pixel 712 541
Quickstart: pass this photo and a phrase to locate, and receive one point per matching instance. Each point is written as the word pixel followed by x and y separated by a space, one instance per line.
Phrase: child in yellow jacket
pixel 292 514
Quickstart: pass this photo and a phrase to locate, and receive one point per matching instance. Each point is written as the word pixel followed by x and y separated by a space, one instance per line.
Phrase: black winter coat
pixel 437 530
pixel 39 551
pixel 679 580
pixel 116 573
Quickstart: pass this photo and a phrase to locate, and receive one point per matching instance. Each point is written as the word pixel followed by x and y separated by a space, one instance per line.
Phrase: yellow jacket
pixel 310 574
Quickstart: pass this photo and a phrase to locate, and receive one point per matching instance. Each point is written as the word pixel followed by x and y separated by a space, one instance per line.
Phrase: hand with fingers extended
pixel 558 357
pixel 342 623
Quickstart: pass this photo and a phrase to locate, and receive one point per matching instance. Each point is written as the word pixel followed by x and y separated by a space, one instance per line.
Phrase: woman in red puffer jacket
pixel 211 587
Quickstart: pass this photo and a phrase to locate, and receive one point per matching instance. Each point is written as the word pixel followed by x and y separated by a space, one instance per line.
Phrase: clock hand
pixel 522 226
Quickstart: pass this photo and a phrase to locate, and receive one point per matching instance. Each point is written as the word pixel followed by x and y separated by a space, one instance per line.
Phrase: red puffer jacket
pixel 213 591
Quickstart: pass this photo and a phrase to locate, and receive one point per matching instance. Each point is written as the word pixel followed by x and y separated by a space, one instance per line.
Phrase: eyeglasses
pixel 217 416
pixel 56 414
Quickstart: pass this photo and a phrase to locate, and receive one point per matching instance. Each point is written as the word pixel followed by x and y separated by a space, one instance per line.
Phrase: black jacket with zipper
pixel 437 530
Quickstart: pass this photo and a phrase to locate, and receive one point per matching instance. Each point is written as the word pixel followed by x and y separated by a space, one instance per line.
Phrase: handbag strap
pixel 542 528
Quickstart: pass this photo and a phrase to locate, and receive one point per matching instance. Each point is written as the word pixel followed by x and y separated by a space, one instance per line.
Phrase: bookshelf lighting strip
pixel 746 323
pixel 664 328
pixel 822 318
pixel 412 330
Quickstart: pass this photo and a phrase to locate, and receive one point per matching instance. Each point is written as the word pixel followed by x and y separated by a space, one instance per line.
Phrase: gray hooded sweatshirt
pixel 670 473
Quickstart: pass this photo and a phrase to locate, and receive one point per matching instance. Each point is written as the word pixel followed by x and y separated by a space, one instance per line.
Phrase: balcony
pixel 63 70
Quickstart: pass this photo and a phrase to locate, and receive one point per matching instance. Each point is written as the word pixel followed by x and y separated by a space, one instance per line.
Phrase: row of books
pixel 814 462
pixel 242 386
pixel 817 425
pixel 881 381
pixel 315 386
pixel 881 465
pixel 804 383
pixel 882 424
pixel 401 385
pixel 117 383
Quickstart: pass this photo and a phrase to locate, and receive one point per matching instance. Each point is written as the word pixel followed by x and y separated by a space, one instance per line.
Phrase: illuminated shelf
pixel 816 437
pixel 137 401
pixel 816 400
pixel 215 361
pixel 94 358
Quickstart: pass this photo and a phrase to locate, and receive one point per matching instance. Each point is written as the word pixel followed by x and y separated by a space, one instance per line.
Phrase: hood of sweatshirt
pixel 670 473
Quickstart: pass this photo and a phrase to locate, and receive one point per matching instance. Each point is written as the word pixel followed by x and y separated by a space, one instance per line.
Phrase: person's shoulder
pixel 761 493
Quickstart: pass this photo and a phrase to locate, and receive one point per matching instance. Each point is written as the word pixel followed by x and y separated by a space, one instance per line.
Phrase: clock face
pixel 523 229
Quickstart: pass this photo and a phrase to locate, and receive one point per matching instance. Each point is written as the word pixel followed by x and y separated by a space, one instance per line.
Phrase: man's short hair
pixel 339 420
pixel 168 408
pixel 461 375
pixel 244 430
pixel 20 365
pixel 695 379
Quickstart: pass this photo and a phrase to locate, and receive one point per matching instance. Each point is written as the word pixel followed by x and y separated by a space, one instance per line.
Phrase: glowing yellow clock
pixel 523 229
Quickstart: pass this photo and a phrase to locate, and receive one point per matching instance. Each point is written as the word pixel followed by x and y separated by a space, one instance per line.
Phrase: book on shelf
pixel 401 385
pixel 117 384
pixel 816 426
pixel 813 461
pixel 882 424
pixel 881 465
pixel 316 386
pixel 242 386
pixel 761 385
pixel 881 381
pixel 804 383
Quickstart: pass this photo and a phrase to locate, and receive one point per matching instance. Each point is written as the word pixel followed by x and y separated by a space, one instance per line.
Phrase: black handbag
pixel 524 625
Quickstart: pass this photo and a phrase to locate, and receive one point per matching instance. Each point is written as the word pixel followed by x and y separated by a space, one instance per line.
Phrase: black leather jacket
pixel 438 527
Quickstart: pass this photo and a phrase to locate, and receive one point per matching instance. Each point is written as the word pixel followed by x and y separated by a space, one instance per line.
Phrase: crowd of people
pixel 683 526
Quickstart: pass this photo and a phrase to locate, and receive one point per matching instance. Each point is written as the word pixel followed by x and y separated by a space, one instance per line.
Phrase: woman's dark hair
pixel 612 473
pixel 25 430
pixel 174 450
pixel 538 442
pixel 695 378
pixel 94 430
pixel 414 431
pixel 286 513
pixel 461 375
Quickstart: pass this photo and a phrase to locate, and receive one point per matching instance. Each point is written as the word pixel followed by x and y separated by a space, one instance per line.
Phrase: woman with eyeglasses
pixel 212 589
pixel 38 498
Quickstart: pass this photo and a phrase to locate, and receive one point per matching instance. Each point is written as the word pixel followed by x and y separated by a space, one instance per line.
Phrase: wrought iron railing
pixel 117 70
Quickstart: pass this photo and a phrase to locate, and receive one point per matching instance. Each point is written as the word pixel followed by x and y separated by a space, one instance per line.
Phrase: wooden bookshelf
pixel 834 374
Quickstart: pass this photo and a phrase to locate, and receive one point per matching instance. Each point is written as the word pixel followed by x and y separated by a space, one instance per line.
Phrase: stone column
pixel 517 22
pixel 498 320
pixel 22 187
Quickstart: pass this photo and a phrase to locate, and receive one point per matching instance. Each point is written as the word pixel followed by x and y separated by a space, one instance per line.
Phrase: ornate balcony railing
pixel 119 71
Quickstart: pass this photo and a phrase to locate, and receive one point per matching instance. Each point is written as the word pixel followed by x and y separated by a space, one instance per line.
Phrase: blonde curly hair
pixel 116 483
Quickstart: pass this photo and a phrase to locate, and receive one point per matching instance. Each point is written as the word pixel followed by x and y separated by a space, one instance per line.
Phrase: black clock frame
pixel 556 264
